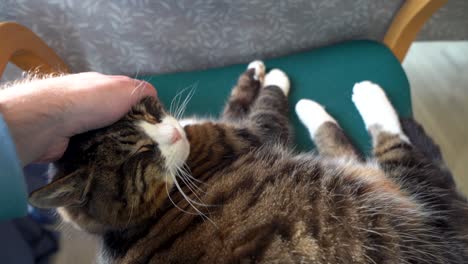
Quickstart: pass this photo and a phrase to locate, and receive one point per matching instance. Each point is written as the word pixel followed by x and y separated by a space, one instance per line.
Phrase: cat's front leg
pixel 245 92
pixel 269 116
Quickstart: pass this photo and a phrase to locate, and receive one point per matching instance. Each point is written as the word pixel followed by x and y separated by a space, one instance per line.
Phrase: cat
pixel 232 190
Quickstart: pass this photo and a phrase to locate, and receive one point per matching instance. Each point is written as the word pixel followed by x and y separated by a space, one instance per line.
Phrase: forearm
pixel 31 115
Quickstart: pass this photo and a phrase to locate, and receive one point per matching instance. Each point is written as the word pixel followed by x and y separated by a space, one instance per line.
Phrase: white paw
pixel 259 68
pixel 278 78
pixel 375 108
pixel 312 115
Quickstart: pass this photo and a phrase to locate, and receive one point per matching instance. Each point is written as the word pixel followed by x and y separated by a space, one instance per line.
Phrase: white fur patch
pixel 278 78
pixel 312 115
pixel 189 121
pixel 375 108
pixel 175 153
pixel 259 67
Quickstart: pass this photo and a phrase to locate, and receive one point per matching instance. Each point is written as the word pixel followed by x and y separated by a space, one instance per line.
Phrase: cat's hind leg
pixel 418 174
pixel 391 147
pixel 269 114
pixel 245 92
pixel 390 144
pixel 377 112
pixel 327 135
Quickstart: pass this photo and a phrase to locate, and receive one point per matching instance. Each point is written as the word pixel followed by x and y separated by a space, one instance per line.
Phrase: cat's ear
pixel 68 190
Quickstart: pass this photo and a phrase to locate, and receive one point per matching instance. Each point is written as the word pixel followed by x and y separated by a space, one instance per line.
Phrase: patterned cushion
pixel 326 75
pixel 143 36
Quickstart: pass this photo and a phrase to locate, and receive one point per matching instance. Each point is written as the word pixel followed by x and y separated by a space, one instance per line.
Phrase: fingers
pixel 135 89
pixel 99 100
pixel 116 81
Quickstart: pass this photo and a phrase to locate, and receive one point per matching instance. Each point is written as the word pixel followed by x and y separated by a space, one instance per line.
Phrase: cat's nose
pixel 176 136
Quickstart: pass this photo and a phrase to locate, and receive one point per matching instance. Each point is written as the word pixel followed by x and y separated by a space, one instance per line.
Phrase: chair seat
pixel 326 75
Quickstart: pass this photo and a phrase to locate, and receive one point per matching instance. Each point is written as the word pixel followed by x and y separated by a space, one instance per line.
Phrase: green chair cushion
pixel 326 75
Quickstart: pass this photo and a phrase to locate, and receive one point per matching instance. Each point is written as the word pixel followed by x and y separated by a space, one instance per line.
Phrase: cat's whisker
pixel 192 186
pixel 192 190
pixel 136 83
pixel 177 108
pixel 189 177
pixel 190 96
pixel 185 195
pixel 187 99
pixel 186 169
pixel 176 100
pixel 174 203
pixel 191 202
pixel 137 72
pixel 138 88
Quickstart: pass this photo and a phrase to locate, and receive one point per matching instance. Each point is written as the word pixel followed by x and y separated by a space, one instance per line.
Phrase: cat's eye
pixel 147 147
pixel 151 119
pixel 144 116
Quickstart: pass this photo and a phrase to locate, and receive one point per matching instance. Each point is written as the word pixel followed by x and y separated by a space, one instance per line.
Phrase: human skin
pixel 43 114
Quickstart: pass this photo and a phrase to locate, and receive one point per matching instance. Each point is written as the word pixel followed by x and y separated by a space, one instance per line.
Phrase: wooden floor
pixel 438 74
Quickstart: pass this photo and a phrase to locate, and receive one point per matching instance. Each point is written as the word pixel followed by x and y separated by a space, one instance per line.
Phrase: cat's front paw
pixel 259 70
pixel 277 77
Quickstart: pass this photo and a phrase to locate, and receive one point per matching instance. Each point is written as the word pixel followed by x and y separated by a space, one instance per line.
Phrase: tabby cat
pixel 233 191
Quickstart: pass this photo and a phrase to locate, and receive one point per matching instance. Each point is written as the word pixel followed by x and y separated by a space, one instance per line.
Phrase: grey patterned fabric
pixel 143 36
pixel 449 23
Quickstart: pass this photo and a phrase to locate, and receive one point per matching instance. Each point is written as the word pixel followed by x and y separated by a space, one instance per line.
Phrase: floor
pixel 438 73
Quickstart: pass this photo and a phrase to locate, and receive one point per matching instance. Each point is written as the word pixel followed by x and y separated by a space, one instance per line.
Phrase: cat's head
pixel 119 175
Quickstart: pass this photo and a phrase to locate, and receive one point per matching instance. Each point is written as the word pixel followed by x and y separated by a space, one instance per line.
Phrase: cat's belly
pixel 278 207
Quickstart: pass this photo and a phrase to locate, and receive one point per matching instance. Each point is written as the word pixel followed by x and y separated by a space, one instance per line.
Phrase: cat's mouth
pixel 177 150
pixel 171 139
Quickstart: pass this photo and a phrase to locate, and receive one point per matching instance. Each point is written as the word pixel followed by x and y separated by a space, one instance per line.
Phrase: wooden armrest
pixel 27 51
pixel 407 23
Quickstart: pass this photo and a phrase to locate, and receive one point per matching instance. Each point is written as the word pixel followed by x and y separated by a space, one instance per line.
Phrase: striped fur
pixel 250 198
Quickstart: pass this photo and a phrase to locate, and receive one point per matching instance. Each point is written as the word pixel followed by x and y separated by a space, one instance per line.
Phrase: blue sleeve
pixel 13 195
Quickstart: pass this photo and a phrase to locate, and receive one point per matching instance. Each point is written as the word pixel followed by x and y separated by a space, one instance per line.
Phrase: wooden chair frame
pixel 407 23
pixel 27 51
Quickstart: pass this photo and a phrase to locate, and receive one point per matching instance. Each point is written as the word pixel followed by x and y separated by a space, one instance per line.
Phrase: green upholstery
pixel 326 75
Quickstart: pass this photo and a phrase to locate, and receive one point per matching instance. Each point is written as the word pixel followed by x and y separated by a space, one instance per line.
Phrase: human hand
pixel 43 114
